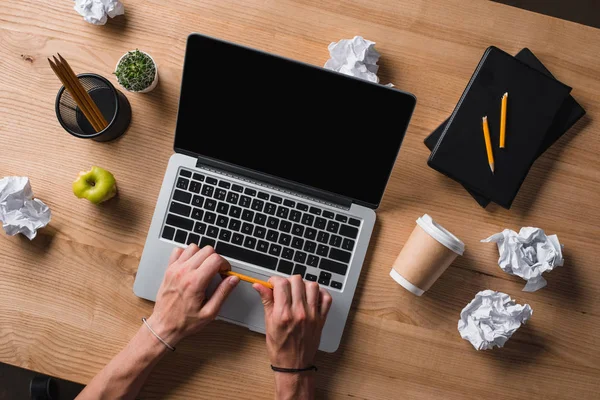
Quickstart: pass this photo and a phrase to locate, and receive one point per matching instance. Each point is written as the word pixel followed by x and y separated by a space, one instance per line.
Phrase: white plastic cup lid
pixel 440 234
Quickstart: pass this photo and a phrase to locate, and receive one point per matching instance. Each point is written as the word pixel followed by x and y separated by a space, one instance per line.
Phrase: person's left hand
pixel 180 308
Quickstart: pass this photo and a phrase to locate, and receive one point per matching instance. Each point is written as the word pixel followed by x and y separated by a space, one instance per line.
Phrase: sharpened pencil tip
pixel 505 95
pixel 492 167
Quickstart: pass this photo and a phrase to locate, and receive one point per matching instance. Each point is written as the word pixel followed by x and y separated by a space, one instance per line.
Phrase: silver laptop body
pixel 244 306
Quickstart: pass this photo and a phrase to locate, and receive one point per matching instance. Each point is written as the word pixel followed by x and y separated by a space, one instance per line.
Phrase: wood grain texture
pixel 66 300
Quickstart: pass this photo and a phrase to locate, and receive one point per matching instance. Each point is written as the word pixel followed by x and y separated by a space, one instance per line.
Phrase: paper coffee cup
pixel 427 253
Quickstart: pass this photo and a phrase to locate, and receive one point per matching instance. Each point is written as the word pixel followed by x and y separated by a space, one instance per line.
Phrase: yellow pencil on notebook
pixel 503 120
pixel 246 278
pixel 488 143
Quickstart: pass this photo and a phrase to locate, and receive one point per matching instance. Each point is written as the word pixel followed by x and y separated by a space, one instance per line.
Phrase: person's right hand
pixel 295 313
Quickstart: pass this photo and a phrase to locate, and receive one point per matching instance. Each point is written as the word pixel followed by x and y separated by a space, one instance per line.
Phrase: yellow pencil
pixel 247 278
pixel 488 143
pixel 503 120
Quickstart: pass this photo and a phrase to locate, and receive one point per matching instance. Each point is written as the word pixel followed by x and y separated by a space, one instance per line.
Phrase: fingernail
pixel 233 280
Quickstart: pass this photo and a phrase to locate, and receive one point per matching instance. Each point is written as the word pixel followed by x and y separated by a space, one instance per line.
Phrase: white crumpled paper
pixel 355 57
pixel 491 318
pixel 96 11
pixel 19 211
pixel 528 254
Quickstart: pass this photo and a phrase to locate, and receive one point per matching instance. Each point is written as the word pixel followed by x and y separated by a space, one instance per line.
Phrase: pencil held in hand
pixel 488 143
pixel 503 120
pixel 247 278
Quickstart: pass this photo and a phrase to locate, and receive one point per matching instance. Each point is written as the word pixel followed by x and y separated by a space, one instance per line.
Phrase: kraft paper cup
pixel 427 253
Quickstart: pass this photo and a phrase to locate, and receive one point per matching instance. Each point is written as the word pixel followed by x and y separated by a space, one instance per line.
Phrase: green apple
pixel 96 185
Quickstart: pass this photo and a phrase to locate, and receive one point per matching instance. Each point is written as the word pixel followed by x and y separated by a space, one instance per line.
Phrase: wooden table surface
pixel 66 300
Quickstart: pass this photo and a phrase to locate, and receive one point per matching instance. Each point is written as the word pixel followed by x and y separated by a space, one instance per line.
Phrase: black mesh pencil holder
pixel 113 105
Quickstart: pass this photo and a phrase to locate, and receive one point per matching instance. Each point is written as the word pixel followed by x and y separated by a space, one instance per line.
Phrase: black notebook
pixel 534 99
pixel 569 113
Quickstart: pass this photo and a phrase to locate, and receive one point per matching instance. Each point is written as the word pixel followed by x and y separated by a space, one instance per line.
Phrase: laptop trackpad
pixel 243 306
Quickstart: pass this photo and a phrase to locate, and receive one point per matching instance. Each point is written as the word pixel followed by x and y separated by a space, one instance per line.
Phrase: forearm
pixel 124 375
pixel 295 386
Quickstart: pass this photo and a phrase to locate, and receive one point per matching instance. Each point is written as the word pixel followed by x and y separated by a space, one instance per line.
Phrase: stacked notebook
pixel 540 110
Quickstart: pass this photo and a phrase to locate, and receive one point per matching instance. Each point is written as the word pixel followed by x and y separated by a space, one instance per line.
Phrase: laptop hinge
pixel 275 183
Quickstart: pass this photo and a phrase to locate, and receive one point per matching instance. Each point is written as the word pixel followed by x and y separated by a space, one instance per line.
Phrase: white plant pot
pixel 154 82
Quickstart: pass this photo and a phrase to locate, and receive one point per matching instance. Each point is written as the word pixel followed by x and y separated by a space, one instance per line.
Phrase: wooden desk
pixel 66 300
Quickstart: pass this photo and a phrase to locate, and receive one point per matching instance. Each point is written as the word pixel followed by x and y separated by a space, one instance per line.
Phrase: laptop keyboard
pixel 263 229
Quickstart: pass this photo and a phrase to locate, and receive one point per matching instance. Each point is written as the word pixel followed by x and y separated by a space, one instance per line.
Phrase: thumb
pixel 266 296
pixel 214 304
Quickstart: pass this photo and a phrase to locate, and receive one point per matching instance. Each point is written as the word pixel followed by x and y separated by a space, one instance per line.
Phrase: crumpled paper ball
pixel 96 11
pixel 19 211
pixel 528 254
pixel 355 57
pixel 491 318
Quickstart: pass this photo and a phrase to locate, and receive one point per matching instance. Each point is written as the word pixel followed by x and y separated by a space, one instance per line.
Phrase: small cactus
pixel 136 71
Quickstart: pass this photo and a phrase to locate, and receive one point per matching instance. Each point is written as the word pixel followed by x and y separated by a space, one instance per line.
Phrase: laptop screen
pixel 290 120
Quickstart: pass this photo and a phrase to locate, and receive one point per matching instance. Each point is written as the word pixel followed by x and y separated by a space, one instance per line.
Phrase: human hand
pixel 295 313
pixel 180 308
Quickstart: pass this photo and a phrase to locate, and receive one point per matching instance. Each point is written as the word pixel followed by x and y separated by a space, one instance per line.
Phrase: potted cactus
pixel 137 72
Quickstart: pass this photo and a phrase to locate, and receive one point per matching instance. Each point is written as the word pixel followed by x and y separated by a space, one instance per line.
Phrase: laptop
pixel 279 166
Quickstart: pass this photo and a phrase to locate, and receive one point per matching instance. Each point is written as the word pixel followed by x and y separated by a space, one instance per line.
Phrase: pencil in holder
pixel 113 105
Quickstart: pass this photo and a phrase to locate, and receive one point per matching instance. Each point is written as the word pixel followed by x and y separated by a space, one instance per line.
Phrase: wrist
pixel 167 332
pixel 300 385
pixel 148 345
